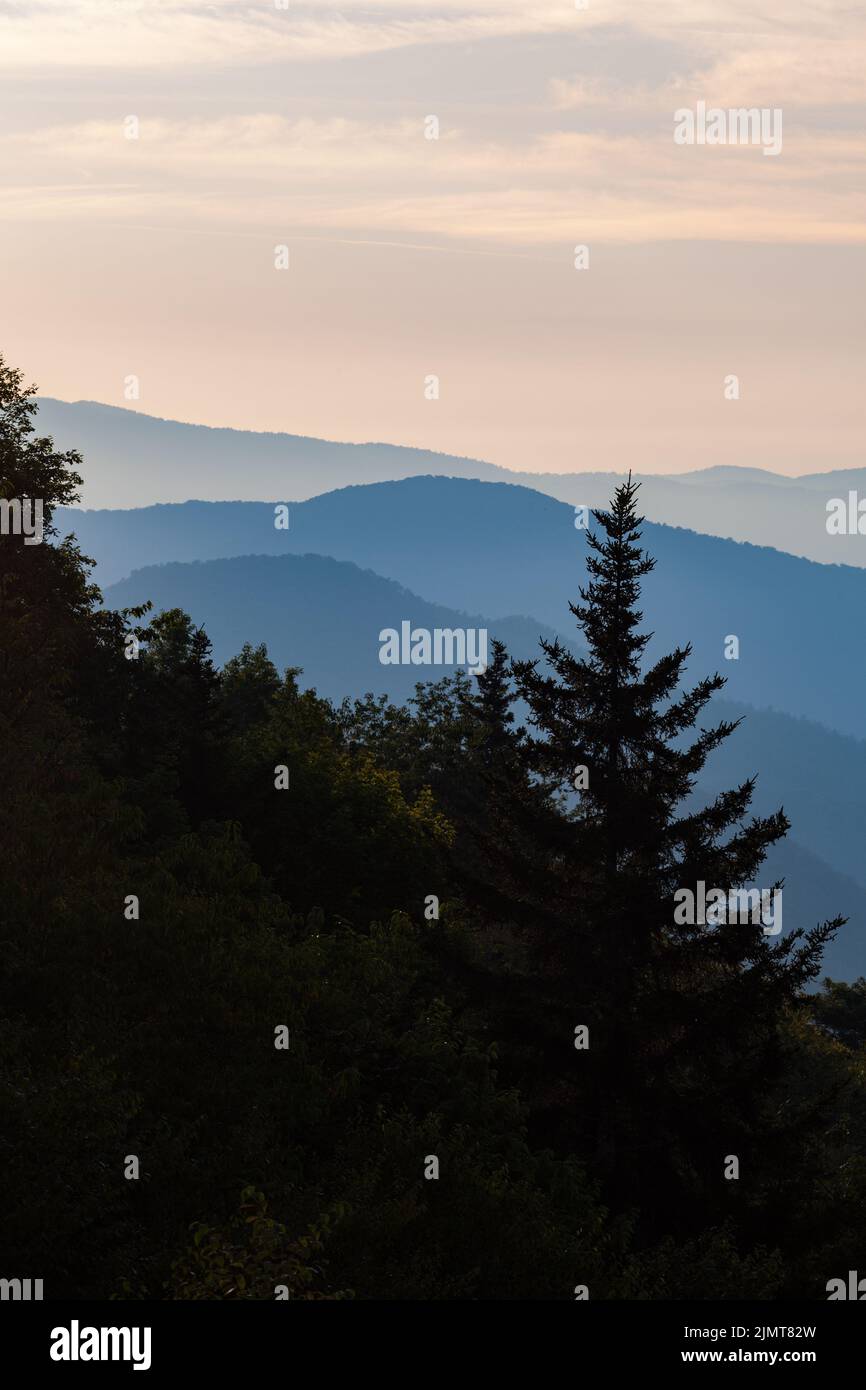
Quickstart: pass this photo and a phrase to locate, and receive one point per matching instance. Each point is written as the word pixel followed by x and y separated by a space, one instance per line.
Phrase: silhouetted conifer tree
pixel 683 1018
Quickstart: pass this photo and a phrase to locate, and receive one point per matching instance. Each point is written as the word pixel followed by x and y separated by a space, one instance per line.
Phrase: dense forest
pixel 377 1001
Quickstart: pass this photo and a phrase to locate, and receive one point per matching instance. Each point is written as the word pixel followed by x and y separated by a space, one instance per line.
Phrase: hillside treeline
pixel 391 1002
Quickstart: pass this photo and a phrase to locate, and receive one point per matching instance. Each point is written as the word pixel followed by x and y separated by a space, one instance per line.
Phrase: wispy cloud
pixel 165 34
pixel 267 172
pixel 260 125
pixel 171 34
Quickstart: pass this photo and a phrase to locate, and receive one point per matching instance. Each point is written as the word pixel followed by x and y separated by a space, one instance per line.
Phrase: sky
pixel 154 154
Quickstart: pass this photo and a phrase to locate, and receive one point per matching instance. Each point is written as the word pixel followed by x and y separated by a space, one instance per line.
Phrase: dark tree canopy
pixel 137 772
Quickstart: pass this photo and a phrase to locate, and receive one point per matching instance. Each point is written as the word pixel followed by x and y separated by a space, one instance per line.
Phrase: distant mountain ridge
pixel 136 460
pixel 504 549
pixel 438 548
pixel 314 611
pixel 171 461
pixel 326 616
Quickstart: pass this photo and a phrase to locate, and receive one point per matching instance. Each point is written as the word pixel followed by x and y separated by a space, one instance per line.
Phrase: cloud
pixel 269 175
pixel 165 34
pixel 587 154
pixel 826 74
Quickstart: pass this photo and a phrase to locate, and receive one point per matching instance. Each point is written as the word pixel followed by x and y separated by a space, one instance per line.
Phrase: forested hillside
pixel 357 999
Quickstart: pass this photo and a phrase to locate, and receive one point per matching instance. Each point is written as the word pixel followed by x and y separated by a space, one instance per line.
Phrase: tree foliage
pixel 138 772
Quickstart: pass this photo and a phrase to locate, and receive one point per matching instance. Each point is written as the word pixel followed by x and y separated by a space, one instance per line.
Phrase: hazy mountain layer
pixel 135 460
pixel 326 616
pixel 312 611
pixel 497 549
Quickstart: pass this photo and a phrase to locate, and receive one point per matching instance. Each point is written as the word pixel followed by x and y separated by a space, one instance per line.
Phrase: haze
pixel 410 257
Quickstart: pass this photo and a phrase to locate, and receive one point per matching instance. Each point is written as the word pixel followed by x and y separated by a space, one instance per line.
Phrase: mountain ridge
pixel 326 616
pixel 134 460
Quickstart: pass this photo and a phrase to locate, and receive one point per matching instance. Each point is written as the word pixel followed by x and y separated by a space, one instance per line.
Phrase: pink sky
pixel 409 257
